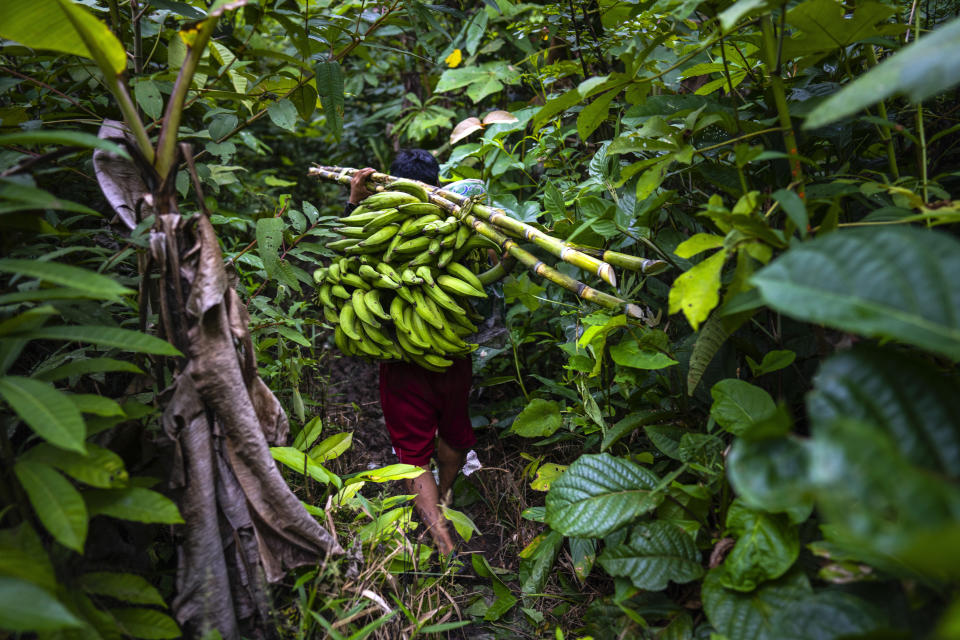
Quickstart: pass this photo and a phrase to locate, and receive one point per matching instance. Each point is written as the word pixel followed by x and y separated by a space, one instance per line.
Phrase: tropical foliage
pixel 772 451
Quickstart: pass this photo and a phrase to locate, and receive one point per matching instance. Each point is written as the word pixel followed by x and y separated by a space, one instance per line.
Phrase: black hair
pixel 416 164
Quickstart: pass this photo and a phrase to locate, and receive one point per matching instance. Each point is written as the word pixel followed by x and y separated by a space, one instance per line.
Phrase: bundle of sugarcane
pixel 498 226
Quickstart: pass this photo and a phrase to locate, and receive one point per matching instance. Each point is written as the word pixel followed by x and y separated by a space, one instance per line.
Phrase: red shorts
pixel 417 404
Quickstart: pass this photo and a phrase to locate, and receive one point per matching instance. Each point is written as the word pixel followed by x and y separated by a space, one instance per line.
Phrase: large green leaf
pixel 822 26
pixel 270 241
pixel 133 503
pixel 767 546
pixel 696 291
pixel 104 336
pixel 100 467
pixel 26 607
pixel 738 404
pixel 481 80
pixel 827 615
pixel 598 494
pixel 49 24
pixel 772 474
pixel 750 616
pixel 537 560
pixel 146 623
pixel 630 353
pixel 22 556
pixel 15 196
pixel 656 553
pixel 884 283
pixel 916 404
pixel 87 365
pixel 127 587
pixel 920 70
pixel 332 447
pixel 49 412
pixel 62 137
pixel 302 463
pixel 538 419
pixel 329 78
pixel 55 501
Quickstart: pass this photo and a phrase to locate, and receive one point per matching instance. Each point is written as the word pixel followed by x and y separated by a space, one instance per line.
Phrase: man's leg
pixel 450 461
pixel 428 504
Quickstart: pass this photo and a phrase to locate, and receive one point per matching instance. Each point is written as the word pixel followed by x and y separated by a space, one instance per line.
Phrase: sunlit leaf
pixel 49 412
pixel 57 504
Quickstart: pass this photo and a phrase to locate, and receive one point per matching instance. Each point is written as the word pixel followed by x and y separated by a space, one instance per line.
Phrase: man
pixel 425 411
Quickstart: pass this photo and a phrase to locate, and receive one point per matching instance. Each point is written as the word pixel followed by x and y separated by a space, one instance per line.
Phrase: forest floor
pixel 493 497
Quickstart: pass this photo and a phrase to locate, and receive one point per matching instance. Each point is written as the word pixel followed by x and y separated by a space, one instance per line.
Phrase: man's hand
pixel 358 185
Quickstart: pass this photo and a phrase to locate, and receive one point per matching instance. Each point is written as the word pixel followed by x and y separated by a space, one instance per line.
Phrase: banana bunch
pixel 402 288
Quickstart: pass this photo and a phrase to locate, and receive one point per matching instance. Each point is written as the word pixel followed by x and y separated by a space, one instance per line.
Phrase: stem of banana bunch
pixel 500 219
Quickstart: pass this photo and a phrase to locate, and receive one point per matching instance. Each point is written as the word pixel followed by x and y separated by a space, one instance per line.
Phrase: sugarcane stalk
pixel 495 234
pixel 646 266
pixel 497 217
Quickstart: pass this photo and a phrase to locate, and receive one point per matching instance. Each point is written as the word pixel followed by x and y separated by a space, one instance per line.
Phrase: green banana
pixel 421 208
pixel 340 291
pixel 419 332
pixel 415 244
pixel 441 298
pixel 427 309
pixel 348 321
pixel 319 275
pixel 331 316
pixel 412 188
pixel 456 286
pixel 352 232
pixel 389 199
pixel 445 258
pixel 343 343
pixel 358 217
pixel 406 294
pixel 416 227
pixel 354 280
pixel 397 307
pixel 389 272
pixel 341 245
pixel 459 271
pixel 380 236
pixel 376 335
pixel 386 217
pixel 463 234
pixel 324 293
pixel 438 362
pixel 407 345
pixel 360 309
pixel 425 275
pixel 421 259
pixel 371 300
pixel 410 277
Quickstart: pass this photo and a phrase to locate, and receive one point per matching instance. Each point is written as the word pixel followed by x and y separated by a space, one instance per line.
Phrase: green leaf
pixel 62 137
pixel 15 196
pixel 738 404
pixel 537 560
pixel 772 474
pixel 882 283
pixel 822 26
pixel 332 447
pixel 546 474
pixel 22 556
pixel 148 97
pixel 304 464
pixel 283 114
pixel 830 614
pixel 304 98
pixel 772 361
pixel 85 366
pixel 90 283
pixel 540 418
pixel 740 9
pixel 698 243
pixel 709 340
pixel 132 503
pixel 767 546
pixel 146 623
pixel 795 208
pixel 554 106
pixel 97 405
pixel 630 353
pixel 583 554
pixel 655 554
pixel 481 80
pixel 696 292
pixel 104 336
pixel 121 586
pixel 49 412
pixel 391 472
pixel 751 616
pixel 461 522
pixel 55 501
pixel 916 404
pixel 270 241
pixel 920 70
pixel 47 24
pixel 308 434
pixel 27 607
pixel 593 115
pixel 100 467
pixel 598 494
pixel 329 79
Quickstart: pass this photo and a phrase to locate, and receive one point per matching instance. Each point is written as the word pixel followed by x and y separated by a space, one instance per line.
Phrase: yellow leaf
pixel 454 58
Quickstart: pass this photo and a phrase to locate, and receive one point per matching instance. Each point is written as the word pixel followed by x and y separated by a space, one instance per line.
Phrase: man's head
pixel 416 164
